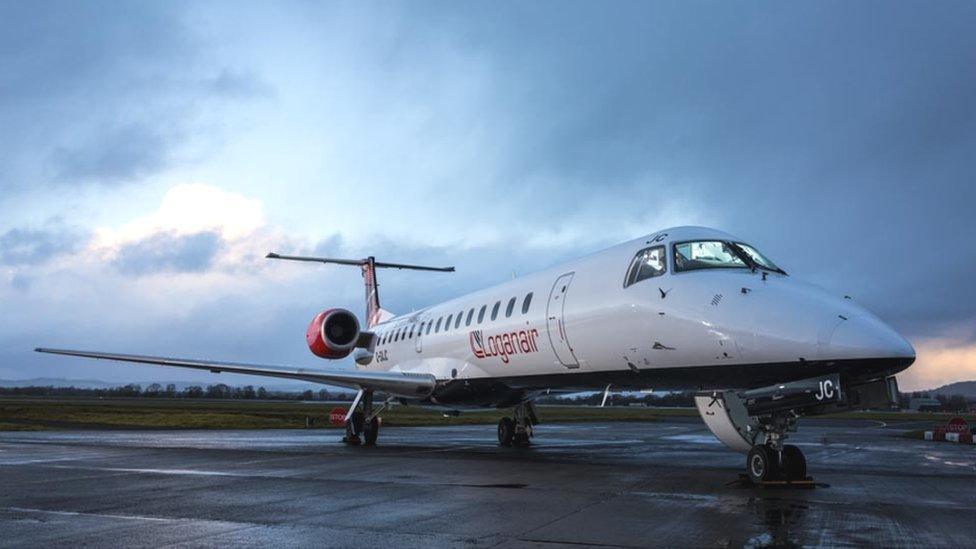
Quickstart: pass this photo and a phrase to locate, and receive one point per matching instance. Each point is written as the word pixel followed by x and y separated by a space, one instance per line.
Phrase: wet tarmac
pixel 660 484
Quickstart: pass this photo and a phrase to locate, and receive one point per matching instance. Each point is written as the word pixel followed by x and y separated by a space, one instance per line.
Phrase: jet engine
pixel 333 333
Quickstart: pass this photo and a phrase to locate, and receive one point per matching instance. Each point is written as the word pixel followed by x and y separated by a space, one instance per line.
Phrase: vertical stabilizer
pixel 372 292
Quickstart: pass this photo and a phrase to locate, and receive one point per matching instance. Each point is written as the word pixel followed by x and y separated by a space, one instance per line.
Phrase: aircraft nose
pixel 868 337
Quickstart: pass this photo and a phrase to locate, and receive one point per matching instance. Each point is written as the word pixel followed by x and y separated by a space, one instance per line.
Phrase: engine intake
pixel 333 333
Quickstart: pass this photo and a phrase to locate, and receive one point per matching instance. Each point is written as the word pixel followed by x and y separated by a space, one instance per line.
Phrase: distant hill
pixel 965 388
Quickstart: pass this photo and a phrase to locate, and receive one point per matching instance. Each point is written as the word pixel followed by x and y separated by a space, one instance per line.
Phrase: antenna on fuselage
pixel 368 266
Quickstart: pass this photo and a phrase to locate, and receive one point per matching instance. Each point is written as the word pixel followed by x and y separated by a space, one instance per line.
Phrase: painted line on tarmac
pixel 82 514
pixel 153 471
pixel 37 461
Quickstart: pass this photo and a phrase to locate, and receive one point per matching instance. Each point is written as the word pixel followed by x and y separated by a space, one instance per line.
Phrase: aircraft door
pixel 555 323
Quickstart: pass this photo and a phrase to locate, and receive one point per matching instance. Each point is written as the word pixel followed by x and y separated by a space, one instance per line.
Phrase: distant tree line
pixel 219 391
pixel 664 400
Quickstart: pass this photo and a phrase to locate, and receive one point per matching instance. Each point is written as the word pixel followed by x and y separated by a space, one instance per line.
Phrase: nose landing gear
pixel 768 459
pixel 773 460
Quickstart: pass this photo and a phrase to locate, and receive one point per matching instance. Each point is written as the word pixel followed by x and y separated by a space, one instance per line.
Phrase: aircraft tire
pixel 521 440
pixel 371 430
pixel 794 463
pixel 506 431
pixel 761 464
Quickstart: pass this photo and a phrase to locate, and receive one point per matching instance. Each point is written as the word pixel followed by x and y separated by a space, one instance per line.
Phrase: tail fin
pixel 372 292
pixel 374 314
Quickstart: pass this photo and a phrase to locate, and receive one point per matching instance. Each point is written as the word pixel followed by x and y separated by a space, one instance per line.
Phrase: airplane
pixel 685 308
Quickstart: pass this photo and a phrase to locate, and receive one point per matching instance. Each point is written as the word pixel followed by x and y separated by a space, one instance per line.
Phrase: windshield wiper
pixel 753 264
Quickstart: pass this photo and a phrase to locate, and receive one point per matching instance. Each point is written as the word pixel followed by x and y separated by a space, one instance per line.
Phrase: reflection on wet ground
pixel 617 485
pixel 777 517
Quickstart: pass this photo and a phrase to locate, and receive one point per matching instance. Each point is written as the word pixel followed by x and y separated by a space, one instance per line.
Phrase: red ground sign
pixel 337 416
pixel 957 425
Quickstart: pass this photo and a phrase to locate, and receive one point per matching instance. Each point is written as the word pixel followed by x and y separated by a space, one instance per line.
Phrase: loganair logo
pixel 504 345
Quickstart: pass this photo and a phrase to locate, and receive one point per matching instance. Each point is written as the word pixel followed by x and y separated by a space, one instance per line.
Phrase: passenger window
pixel 494 310
pixel 648 263
pixel 438 328
pixel 526 303
pixel 457 322
pixel 430 324
pixel 467 321
pixel 481 314
pixel 510 308
pixel 447 325
pixel 412 326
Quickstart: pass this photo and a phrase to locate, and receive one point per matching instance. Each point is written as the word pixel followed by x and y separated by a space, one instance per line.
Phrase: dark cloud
pixel 104 92
pixel 122 154
pixel 234 84
pixel 25 246
pixel 330 246
pixel 169 253
pixel 20 282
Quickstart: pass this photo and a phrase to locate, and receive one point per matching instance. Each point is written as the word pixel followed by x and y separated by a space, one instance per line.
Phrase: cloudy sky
pixel 151 153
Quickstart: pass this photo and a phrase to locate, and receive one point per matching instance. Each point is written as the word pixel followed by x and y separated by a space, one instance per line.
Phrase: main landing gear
pixel 517 431
pixel 363 422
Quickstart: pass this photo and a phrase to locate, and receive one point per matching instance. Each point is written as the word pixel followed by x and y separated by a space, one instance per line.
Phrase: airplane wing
pixel 394 383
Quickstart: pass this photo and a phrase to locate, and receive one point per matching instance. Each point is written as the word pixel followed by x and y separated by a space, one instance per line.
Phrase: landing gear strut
pixel 364 421
pixel 518 431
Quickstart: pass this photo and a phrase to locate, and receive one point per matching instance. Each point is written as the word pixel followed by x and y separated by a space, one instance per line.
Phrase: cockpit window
pixel 759 259
pixel 648 263
pixel 706 254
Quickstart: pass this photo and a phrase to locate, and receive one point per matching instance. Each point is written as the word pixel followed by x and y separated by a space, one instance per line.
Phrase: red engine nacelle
pixel 333 333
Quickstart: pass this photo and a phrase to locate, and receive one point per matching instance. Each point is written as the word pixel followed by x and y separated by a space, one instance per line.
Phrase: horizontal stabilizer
pixel 393 383
pixel 359 262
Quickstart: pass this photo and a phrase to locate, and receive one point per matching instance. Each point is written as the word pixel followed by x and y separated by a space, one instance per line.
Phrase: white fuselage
pixel 707 328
